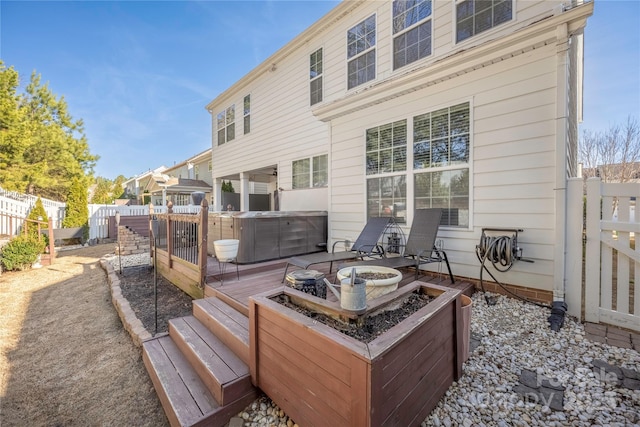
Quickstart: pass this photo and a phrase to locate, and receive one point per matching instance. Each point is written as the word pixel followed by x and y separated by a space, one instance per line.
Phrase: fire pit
pixel 380 280
pixel 321 376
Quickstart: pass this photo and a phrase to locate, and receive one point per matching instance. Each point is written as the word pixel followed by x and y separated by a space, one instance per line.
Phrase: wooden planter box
pixel 322 377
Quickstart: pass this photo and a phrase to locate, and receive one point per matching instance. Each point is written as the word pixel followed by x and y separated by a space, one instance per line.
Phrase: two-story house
pixel 178 182
pixel 384 107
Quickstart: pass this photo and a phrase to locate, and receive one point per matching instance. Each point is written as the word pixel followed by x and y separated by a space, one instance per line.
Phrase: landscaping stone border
pixel 130 321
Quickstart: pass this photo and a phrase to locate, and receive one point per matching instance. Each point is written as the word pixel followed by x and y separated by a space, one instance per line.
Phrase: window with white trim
pixel 315 76
pixel 310 173
pixel 361 52
pixel 412 31
pixel 210 165
pixel 226 125
pixel 441 147
pixel 475 16
pixel 196 171
pixel 386 154
pixel 247 114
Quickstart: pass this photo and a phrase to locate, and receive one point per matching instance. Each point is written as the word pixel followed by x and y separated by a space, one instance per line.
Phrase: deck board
pixel 263 277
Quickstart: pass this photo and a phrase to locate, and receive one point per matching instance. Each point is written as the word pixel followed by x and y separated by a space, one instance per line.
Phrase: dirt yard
pixel 65 358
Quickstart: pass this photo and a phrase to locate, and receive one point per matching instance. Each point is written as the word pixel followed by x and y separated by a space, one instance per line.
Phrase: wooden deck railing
pixel 179 243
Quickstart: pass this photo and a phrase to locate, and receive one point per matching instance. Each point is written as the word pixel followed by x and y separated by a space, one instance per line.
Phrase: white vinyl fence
pixel 611 293
pixel 15 207
pixel 99 215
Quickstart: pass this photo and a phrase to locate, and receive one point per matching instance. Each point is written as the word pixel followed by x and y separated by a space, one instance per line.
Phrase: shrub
pixel 77 214
pixel 36 212
pixel 21 252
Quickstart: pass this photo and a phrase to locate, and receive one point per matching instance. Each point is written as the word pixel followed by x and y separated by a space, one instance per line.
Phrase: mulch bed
pixel 137 284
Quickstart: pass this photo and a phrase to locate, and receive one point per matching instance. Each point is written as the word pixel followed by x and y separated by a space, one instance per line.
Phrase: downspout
pixel 559 307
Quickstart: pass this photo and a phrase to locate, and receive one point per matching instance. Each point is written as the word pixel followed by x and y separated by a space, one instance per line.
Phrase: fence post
pixel 592 252
pixel 169 235
pixel 203 230
pixel 52 246
pixel 574 228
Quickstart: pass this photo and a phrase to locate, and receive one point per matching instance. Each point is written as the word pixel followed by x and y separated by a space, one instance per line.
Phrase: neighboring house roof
pixel 200 157
pixel 145 174
pixel 158 182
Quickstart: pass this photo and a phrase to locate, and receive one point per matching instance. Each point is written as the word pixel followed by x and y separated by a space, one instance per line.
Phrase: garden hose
pixel 502 251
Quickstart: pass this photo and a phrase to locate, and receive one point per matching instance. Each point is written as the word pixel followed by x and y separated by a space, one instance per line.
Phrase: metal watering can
pixel 352 294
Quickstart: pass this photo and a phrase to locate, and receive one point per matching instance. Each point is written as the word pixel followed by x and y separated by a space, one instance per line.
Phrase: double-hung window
pixel 476 16
pixel 441 146
pixel 315 76
pixel 412 27
pixel 247 114
pixel 226 125
pixel 310 173
pixel 386 156
pixel 361 52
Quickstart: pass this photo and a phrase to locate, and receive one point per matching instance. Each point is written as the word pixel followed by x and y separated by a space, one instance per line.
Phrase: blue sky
pixel 139 73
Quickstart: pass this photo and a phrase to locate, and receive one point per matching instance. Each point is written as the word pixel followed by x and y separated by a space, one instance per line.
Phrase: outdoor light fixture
pixel 118 231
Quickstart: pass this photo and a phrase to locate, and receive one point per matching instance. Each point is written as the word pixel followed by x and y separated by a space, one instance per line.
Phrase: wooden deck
pixel 267 276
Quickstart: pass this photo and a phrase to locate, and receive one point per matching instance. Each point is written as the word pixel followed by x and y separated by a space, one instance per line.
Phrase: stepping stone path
pixel 539 389
pixel 621 377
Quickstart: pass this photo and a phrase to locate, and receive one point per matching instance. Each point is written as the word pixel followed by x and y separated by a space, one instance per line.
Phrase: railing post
pixel 203 231
pixel 592 252
pixel 151 236
pixel 169 235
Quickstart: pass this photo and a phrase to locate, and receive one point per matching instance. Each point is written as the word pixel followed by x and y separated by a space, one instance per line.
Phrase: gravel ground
pixel 515 337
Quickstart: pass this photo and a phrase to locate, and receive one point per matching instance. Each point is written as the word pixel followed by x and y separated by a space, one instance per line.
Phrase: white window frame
pixel 316 78
pixel 362 53
pixel 394 35
pixel 246 114
pixel 224 124
pixel 311 180
pixel 475 34
pixel 410 172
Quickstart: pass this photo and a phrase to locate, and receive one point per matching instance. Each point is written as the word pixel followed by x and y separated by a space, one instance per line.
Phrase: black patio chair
pixel 367 244
pixel 420 248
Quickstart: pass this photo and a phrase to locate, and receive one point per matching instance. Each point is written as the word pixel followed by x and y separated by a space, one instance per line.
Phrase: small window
pixel 475 16
pixel 196 171
pixel 310 173
pixel 210 165
pixel 301 174
pixel 386 149
pixel 247 114
pixel 315 76
pixel 226 125
pixel 361 52
pixel 412 31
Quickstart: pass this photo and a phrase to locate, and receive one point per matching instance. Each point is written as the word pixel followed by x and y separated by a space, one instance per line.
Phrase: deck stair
pixel 200 370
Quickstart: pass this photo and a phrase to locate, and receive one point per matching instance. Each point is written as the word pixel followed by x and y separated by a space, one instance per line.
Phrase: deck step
pixel 225 374
pixel 227 323
pixel 184 396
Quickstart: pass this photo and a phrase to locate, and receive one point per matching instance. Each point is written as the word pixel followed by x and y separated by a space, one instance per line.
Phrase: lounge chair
pixel 420 248
pixel 367 244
